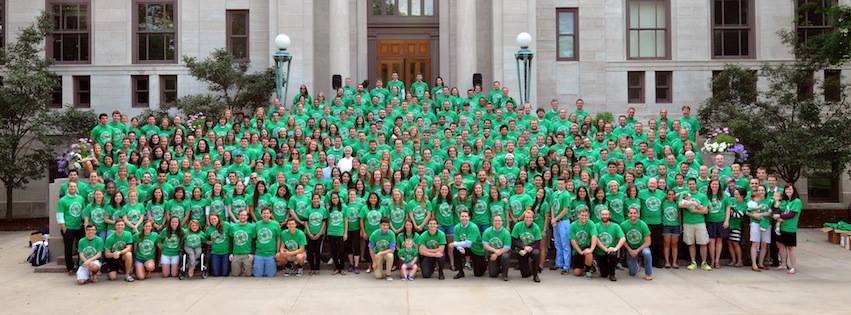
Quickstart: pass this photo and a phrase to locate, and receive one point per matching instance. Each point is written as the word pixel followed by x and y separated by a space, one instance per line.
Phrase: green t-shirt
pixel 518 204
pixel 71 208
pixel 582 233
pixel 279 208
pixel 381 241
pixel 635 233
pixel 443 213
pixel 791 225
pixel 299 205
pixel 315 218
pixel 616 207
pixel 95 214
pixel 198 211
pixel 372 219
pixel 194 240
pixel 117 242
pixel 608 235
pixel 353 210
pixel 157 212
pixel 496 239
pixel 337 222
pixel 90 247
pixel 418 211
pixel 219 241
pixel 267 234
pixel 144 248
pixel 243 237
pixel 170 244
pixel 432 241
pixel 408 254
pixel 134 212
pixel 292 241
pixel 670 213
pixel 470 233
pixel 526 234
pixel 737 211
pixel 398 215
pixel 717 209
pixel 694 218
pixel 178 209
pixel 652 206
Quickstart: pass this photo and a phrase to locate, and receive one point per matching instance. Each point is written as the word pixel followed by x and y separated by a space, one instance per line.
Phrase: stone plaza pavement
pixel 822 286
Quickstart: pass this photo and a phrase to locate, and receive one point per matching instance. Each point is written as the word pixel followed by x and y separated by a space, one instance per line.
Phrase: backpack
pixel 39 254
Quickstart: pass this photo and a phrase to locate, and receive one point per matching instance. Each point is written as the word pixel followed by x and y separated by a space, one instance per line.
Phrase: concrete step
pixel 50 268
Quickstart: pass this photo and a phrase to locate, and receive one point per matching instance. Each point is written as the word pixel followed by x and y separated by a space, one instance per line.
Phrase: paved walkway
pixel 822 286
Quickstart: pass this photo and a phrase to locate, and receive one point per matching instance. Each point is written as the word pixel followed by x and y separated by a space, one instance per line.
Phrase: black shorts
pixel 788 238
pixel 577 261
pixel 114 265
pixel 716 230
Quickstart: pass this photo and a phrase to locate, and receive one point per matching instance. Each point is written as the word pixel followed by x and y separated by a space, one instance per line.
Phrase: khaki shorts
pixel 695 233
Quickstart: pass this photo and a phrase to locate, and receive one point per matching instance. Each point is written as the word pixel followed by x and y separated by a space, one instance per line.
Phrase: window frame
pixel 229 18
pixel 575 34
pixel 56 92
pixel 667 30
pixel 77 92
pixel 832 91
pixel 829 25
pixel 669 87
pixel 48 42
pixel 835 185
pixel 163 90
pixel 751 16
pixel 136 32
pixel 641 93
pixel 135 91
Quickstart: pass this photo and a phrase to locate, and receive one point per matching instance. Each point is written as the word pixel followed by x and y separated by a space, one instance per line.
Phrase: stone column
pixel 465 44
pixel 340 47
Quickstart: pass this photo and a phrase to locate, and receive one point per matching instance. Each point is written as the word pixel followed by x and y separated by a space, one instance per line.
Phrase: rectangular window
pixel 664 91
pixel 805 86
pixel 833 85
pixel 823 184
pixel 412 8
pixel 635 86
pixel 648 29
pixel 155 31
pixel 237 29
pixel 70 40
pixel 567 33
pixel 82 91
pixel 732 29
pixel 56 95
pixel 168 89
pixel 141 91
pixel 812 18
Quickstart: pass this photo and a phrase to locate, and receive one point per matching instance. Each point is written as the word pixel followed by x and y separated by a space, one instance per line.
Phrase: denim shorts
pixel 169 260
pixel 447 229
pixel 671 231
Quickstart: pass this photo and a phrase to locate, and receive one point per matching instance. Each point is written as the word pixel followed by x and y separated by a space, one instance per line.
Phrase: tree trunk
pixel 8 203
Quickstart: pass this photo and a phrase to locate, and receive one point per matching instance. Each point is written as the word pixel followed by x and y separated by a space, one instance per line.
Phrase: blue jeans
pixel 483 227
pixel 561 231
pixel 220 265
pixel 633 262
pixel 264 266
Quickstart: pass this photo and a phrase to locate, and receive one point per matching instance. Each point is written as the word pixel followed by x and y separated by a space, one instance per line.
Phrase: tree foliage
pixel 25 119
pixel 787 128
pixel 229 83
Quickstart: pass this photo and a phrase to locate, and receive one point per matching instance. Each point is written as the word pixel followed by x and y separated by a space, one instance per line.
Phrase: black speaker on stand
pixel 477 79
pixel 336 82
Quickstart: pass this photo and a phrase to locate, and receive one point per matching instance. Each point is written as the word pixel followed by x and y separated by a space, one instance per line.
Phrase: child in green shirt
pixel 408 254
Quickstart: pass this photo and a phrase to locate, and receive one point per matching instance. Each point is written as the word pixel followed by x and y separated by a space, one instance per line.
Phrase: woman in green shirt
pixel 496 207
pixel 788 220
pixel 338 225
pixel 156 208
pixel 738 207
pixel 217 238
pixel 671 229
pixel 193 239
pixel 95 214
pixel 315 230
pixel 143 250
pixel 178 206
pixel 199 207
pixel 169 245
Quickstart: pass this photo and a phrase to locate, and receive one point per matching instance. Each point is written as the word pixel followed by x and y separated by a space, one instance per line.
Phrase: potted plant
pixel 721 141
pixel 78 157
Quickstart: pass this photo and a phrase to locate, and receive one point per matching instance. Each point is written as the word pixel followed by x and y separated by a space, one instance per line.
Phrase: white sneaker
pixel 389 279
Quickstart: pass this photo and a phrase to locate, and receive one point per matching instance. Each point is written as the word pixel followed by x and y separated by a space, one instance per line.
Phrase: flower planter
pixel 709 158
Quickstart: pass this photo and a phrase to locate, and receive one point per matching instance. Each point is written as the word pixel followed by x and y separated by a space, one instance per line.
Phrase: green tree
pixel 230 84
pixel 25 119
pixel 784 126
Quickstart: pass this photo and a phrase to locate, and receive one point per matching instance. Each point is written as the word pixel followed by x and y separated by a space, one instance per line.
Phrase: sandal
pixel 667 266
pixel 129 279
pixel 791 271
pixel 756 269
pixel 676 266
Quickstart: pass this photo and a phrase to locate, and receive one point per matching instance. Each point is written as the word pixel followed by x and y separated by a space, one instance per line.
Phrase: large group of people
pixel 417 179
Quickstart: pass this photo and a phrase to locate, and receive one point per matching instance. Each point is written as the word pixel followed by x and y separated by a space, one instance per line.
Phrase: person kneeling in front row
pixel 497 243
pixel 526 240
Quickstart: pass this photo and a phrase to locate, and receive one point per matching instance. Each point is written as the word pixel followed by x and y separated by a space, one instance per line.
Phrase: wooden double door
pixel 405 57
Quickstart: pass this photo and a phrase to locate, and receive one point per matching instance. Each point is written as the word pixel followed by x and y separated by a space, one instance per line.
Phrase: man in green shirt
pixel 694 208
pixel 637 243
pixel 497 243
pixel 468 242
pixel 119 253
pixel 90 250
pixel 651 214
pixel 69 216
pixel 431 244
pixel 242 255
pixel 526 240
pixel 267 243
pixel 583 239
pixel 292 249
pixel 610 240
pixel 382 244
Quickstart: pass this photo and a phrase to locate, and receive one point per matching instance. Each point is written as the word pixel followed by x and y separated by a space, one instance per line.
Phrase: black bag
pixel 39 255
